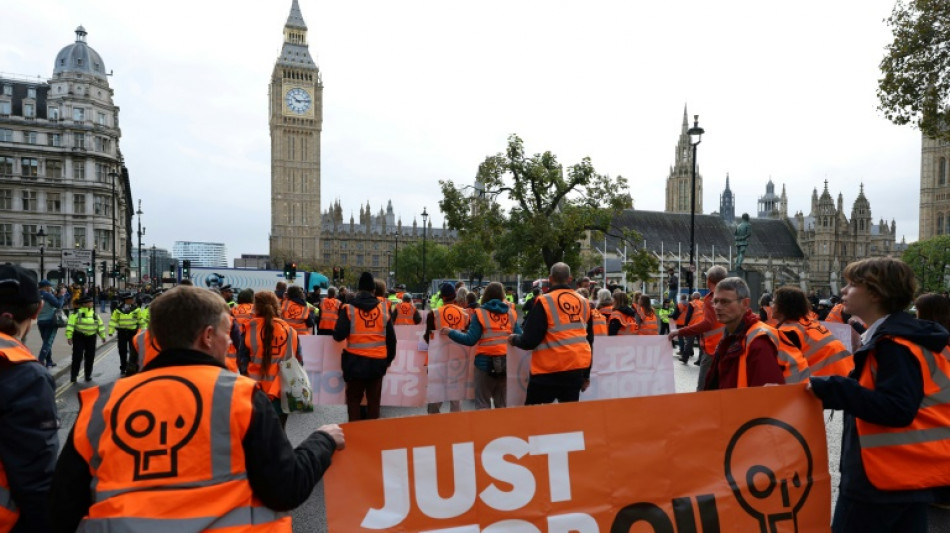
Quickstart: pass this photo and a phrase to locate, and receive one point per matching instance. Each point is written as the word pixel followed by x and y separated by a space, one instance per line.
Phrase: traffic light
pixel 286 270
pixel 80 277
pixel 186 268
pixel 341 272
pixel 103 270
pixel 293 271
pixel 336 273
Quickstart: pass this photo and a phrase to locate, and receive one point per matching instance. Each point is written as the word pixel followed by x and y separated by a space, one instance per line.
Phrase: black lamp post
pixel 42 236
pixel 695 137
pixel 140 233
pixel 114 175
pixel 152 267
pixel 425 236
pixel 396 257
pixel 389 267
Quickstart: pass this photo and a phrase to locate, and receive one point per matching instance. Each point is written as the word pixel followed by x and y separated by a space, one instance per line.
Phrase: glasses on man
pixel 724 301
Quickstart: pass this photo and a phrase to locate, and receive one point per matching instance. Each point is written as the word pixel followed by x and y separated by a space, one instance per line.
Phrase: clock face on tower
pixel 298 100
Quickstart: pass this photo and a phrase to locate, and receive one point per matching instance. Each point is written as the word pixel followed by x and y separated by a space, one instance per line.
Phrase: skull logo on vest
pixel 499 320
pixel 452 317
pixel 294 311
pixel 155 438
pixel 370 317
pixel 571 305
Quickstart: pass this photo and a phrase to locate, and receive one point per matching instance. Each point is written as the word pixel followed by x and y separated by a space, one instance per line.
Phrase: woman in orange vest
pixel 605 303
pixel 494 321
pixel 766 310
pixel 269 340
pixel 295 311
pixel 647 321
pixel 623 320
pixel 28 441
pixel 826 355
pixel 895 449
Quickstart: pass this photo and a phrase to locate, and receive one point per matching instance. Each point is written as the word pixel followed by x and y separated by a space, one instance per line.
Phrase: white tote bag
pixel 296 393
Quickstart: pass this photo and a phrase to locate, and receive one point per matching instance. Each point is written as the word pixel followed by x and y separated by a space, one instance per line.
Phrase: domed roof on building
pixel 79 57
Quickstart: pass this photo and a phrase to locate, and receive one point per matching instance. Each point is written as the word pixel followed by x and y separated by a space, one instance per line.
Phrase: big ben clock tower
pixel 296 120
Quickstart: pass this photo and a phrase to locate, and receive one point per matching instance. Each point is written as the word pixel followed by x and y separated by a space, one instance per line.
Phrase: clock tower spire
pixel 296 123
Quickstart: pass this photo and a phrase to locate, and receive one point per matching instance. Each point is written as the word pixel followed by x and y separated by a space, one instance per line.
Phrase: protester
pixel 329 313
pixel 710 328
pixel 81 331
pixel 680 316
pixel 605 303
pixel 623 319
pixel 493 322
pixel 406 313
pixel 765 309
pixel 295 311
pixel 647 321
pixel 225 464
pixel 280 289
pixel 560 332
pixel 28 418
pixel 447 315
pixel 268 341
pixel 46 321
pixel 894 448
pixel 826 355
pixel 365 323
pixel 747 355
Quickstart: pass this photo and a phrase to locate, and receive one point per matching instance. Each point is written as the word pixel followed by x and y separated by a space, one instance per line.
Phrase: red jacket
pixel 761 359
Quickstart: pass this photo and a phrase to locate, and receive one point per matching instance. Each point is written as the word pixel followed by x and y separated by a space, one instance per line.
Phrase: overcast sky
pixel 417 91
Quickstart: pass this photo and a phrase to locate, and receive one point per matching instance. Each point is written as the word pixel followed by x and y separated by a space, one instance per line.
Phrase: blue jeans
pixel 48 334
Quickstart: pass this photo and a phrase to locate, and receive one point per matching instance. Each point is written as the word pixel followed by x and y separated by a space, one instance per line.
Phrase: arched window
pixel 942 180
pixel 940 224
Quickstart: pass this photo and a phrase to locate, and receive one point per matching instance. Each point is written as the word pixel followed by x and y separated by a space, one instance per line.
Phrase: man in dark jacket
pixel 732 304
pixel 364 367
pixel 192 325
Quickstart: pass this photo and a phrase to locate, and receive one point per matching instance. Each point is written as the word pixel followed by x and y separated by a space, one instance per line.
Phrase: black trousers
pixel 567 391
pixel 125 341
pixel 84 353
pixel 355 390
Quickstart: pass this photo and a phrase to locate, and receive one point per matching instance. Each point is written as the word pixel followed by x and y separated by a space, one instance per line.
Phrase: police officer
pixel 212 464
pixel 81 331
pixel 228 294
pixel 127 319
pixel 28 420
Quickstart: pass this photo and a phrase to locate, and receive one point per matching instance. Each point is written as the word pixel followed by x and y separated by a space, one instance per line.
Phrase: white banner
pixel 843 332
pixel 451 371
pixel 630 366
pixel 405 382
pixel 321 360
pixel 519 370
pixel 410 333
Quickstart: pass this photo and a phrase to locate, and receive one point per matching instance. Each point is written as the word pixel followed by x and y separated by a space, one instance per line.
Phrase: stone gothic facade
pixel 679 182
pixel 934 188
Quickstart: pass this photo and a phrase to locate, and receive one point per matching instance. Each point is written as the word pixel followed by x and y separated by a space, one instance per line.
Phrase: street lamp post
pixel 42 235
pixel 140 233
pixel 152 267
pixel 115 206
pixel 396 257
pixel 695 137
pixel 425 236
pixel 389 267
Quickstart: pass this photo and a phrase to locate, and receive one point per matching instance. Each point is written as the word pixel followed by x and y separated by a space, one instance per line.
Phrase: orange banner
pixel 748 460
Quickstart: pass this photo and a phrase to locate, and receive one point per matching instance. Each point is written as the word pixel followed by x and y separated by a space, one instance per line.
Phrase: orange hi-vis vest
pixel 368 330
pixel 145 347
pixel 712 337
pixel 606 310
pixel 296 315
pixel 329 312
pixel 697 317
pixel 599 322
pixel 496 327
pixel 826 355
pixel 450 316
pixel 908 458
pixel 283 346
pixel 565 345
pixel 681 318
pixel 405 311
pixel 628 324
pixel 16 353
pixel 836 314
pixel 649 324
pixel 165 452
pixel 243 313
pixel 769 313
pixel 790 360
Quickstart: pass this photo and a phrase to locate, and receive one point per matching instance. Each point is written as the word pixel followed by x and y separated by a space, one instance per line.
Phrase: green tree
pixel 641 265
pixel 549 208
pixel 471 257
pixel 915 82
pixel 410 264
pixel 930 261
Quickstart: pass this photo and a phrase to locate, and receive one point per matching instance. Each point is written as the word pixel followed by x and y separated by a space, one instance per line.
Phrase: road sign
pixel 74 259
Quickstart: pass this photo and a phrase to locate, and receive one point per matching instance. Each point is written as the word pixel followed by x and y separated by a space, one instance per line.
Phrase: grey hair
pixel 734 284
pixel 604 297
pixel 560 273
pixel 716 274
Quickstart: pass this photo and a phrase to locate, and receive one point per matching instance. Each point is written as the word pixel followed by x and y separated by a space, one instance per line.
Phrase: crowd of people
pixel 218 356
